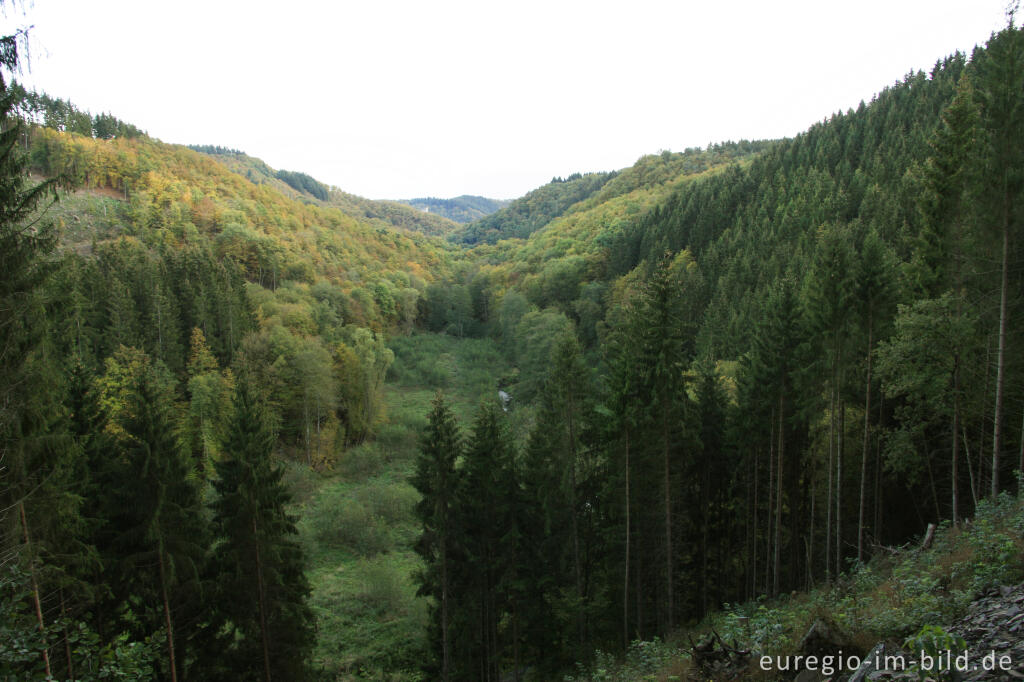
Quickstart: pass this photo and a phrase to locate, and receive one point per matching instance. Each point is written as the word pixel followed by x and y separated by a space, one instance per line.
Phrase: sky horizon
pixel 397 100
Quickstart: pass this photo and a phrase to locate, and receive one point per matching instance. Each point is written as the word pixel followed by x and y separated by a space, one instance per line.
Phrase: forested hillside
pixel 461 209
pixel 250 426
pixel 744 387
pixel 307 189
pixel 171 330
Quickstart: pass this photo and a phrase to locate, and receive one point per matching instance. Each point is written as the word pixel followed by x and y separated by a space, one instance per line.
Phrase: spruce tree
pixel 436 480
pixel 26 411
pixel 160 536
pixel 484 571
pixel 261 584
pixel 1000 87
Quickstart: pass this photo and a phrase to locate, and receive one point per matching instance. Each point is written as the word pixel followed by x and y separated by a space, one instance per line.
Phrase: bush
pixel 361 462
pixel 383 587
pixel 341 522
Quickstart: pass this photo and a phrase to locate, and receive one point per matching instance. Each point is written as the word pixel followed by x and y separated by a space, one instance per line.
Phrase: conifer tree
pixel 484 572
pixel 436 480
pixel 663 344
pixel 555 467
pixel 160 533
pixel 1001 95
pixel 25 413
pixel 261 584
pixel 828 294
pixel 874 287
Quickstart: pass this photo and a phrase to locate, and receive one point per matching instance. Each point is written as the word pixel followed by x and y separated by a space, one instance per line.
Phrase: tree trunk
pixel 167 615
pixel 577 570
pixel 997 428
pixel 625 582
pixel 260 592
pixel 864 448
pixel 753 539
pixel 828 469
pixel 444 609
pixel 840 446
pixel 778 498
pixel 810 540
pixel 668 514
pixel 1020 470
pixel 67 644
pixel 956 439
pixel 35 587
pixel 769 535
pixel 970 466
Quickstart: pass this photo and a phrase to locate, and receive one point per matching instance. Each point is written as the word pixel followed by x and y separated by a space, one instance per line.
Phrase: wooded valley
pixel 250 424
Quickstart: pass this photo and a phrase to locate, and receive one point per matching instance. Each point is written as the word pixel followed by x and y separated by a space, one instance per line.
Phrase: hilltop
pixel 461 209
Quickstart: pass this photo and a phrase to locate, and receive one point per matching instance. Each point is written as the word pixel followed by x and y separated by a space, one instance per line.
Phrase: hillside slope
pixel 302 187
pixel 461 209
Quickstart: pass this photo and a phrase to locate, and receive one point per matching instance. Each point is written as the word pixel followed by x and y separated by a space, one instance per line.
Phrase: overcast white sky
pixel 402 99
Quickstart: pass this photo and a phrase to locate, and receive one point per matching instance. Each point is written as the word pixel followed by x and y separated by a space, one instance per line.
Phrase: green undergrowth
pixel 358 524
pixel 892 597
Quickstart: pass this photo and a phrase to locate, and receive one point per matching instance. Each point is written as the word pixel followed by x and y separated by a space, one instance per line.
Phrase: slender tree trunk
pixel 260 592
pixel 305 418
pixel 753 544
pixel 810 540
pixel 931 482
pixel 67 643
pixel 877 525
pixel 956 440
pixel 1020 470
pixel 515 640
pixel 828 469
pixel 840 446
pixel 778 497
pixel 638 583
pixel 577 569
pixel 864 447
pixel 970 466
pixel 981 422
pixel 668 514
pixel 445 654
pixel 625 582
pixel 167 615
pixel 997 427
pixel 35 587
pixel 317 413
pixel 769 535
pixel 705 486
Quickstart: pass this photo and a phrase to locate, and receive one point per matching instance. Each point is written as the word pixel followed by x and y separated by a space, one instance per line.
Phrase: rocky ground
pixel 993 631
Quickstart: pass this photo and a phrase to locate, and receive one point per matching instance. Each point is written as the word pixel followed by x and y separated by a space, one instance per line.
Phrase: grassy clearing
pixel 890 598
pixel 358 524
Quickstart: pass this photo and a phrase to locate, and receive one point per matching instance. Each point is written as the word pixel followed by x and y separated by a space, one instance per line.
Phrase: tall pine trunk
pixel 445 654
pixel 625 582
pixel 260 593
pixel 997 428
pixel 577 569
pixel 840 446
pixel 35 587
pixel 167 614
pixel 668 513
pixel 778 497
pixel 954 474
pixel 864 447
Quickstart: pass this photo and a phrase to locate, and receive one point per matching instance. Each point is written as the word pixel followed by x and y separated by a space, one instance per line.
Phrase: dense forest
pixel 728 373
pixel 461 209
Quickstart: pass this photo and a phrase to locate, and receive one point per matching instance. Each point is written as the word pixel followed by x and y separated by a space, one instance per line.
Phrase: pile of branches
pixel 716 659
